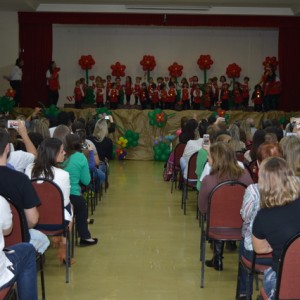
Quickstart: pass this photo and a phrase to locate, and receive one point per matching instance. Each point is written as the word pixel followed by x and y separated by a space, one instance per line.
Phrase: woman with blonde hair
pixel 236 142
pixel 103 143
pixel 224 166
pixel 278 219
pixel 291 152
pixel 250 207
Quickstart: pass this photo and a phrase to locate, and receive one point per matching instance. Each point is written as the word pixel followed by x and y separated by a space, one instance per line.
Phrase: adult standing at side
pixel 53 85
pixel 15 79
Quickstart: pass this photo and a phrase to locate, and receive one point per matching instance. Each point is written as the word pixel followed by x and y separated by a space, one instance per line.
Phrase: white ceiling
pixel 248 7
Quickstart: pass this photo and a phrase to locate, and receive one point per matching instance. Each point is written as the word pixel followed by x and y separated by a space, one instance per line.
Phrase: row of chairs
pixel 223 222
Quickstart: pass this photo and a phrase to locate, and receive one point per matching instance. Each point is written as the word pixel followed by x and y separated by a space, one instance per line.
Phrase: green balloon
pixel 135 136
pixel 152 122
pixel 134 143
pixel 164 157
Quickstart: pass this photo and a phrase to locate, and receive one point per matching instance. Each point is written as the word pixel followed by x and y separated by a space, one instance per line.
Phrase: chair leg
pixel 202 262
pixel 42 276
pixel 68 257
pixel 185 199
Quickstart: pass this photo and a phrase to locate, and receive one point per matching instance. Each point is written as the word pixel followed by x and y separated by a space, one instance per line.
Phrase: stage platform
pixel 138 121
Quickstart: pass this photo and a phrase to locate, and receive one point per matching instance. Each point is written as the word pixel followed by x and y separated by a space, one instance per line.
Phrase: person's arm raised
pixel 27 141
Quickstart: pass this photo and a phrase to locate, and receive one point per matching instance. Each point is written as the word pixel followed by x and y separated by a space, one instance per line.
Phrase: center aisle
pixel 148 249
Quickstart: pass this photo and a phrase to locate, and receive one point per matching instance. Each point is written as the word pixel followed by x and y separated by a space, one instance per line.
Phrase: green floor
pixel 148 249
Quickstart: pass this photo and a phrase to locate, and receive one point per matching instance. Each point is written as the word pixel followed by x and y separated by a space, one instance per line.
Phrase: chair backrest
pixel 51 210
pixel 225 202
pixel 18 233
pixel 288 273
pixel 178 151
pixel 192 164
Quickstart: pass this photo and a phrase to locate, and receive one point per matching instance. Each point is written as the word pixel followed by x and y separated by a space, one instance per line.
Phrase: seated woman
pixel 77 166
pixel 249 210
pixel 224 166
pixel 90 151
pixel 278 219
pixel 50 154
pixel 18 262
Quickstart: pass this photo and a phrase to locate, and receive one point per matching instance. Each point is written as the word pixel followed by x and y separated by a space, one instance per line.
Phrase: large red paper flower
pixel 204 62
pixel 118 70
pixel 175 70
pixel 270 61
pixel 148 63
pixel 86 62
pixel 233 71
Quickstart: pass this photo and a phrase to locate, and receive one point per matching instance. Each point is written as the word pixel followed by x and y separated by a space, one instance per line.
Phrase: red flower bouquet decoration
pixel 148 63
pixel 233 71
pixel 118 69
pixel 86 62
pixel 175 70
pixel 270 61
pixel 204 62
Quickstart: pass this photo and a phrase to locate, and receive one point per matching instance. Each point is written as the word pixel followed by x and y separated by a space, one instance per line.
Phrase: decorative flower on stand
pixel 233 71
pixel 148 63
pixel 175 70
pixel 121 153
pixel 157 118
pixel 204 62
pixel 118 69
pixel 86 62
pixel 270 61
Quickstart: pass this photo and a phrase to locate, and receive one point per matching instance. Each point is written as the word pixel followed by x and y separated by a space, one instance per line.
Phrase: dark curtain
pixel 36 50
pixel 289 66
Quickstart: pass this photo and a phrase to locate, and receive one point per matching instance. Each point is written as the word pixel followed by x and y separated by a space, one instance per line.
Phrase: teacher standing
pixel 15 80
pixel 53 85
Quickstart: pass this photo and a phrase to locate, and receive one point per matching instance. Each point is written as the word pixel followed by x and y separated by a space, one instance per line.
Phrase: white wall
pixel 246 47
pixel 9 33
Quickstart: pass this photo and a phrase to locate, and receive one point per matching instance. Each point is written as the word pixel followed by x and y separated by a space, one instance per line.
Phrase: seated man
pixel 18 263
pixel 17 187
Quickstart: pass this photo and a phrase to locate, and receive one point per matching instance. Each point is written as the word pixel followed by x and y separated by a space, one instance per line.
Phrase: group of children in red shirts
pixel 167 93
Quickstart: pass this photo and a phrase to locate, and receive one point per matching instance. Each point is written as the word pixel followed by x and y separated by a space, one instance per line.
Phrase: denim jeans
pixel 24 269
pixel 269 283
pixel 243 273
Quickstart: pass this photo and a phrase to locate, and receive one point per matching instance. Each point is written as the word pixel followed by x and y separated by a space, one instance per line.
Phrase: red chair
pixel 190 181
pixel 51 213
pixel 223 219
pixel 18 235
pixel 252 268
pixel 288 273
pixel 9 293
pixel 178 151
